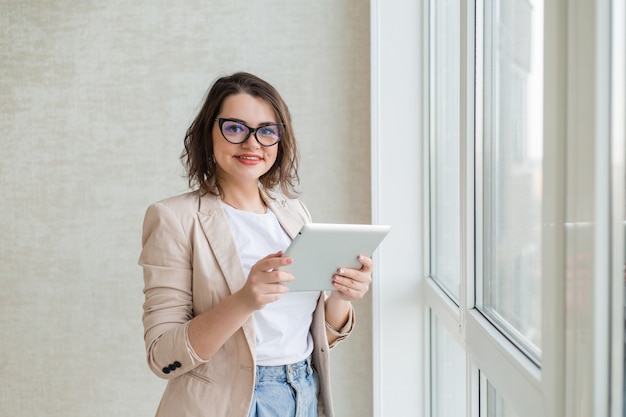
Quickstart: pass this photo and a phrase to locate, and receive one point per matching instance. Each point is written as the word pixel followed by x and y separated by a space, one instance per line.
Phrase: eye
pixel 233 128
pixel 268 131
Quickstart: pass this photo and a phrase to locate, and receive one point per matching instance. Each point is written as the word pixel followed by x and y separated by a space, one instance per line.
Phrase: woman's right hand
pixel 266 282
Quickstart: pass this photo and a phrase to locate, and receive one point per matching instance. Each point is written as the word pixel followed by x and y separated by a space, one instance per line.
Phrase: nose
pixel 251 142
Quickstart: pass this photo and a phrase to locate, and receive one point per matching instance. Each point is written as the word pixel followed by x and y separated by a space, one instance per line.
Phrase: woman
pixel 219 321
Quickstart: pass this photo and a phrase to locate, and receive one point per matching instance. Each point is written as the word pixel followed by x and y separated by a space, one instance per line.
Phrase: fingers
pixel 353 284
pixel 265 283
pixel 362 275
pixel 271 262
pixel 348 289
pixel 366 263
pixel 267 271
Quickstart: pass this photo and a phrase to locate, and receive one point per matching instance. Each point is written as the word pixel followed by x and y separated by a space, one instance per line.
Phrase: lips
pixel 249 159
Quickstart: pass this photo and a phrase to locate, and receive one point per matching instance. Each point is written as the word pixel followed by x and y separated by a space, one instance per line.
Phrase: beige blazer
pixel 190 264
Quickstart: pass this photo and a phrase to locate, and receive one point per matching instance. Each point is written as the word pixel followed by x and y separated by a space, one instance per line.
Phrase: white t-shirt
pixel 282 327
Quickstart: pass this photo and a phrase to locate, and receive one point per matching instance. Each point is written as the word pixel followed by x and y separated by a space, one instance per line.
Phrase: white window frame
pixel 398 322
pixel 576 35
pixel 618 170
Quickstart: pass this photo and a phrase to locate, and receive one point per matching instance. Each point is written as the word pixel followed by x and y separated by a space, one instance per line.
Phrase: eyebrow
pixel 247 124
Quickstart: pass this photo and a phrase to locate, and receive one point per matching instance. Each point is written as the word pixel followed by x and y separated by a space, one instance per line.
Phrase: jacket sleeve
pixel 345 331
pixel 167 310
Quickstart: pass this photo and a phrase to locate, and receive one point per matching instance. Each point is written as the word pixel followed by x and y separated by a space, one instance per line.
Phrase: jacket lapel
pixel 287 217
pixel 217 231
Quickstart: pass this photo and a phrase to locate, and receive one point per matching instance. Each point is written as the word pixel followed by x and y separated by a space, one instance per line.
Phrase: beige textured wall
pixel 94 101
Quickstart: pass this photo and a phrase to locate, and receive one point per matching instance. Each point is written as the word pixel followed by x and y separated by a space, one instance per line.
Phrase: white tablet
pixel 320 248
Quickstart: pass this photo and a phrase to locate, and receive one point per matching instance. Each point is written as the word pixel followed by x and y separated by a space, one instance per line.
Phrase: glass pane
pixel 447 372
pixel 496 407
pixel 512 170
pixel 444 145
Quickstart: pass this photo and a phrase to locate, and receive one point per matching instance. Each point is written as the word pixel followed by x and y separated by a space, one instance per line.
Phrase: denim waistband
pixel 284 372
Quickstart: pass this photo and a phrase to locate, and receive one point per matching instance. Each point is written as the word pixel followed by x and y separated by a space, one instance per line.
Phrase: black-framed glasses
pixel 236 132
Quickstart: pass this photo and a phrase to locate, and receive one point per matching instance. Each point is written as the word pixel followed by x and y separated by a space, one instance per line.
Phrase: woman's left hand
pixel 353 284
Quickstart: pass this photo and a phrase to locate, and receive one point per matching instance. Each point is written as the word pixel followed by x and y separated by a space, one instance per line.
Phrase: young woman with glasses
pixel 219 322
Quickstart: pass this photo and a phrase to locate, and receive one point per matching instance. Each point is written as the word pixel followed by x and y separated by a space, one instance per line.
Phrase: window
pixel 503 245
pixel 510 108
pixel 495 405
pixel 509 296
pixel 447 372
pixel 445 236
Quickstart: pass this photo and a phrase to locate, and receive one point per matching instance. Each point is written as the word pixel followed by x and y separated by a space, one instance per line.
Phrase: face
pixel 243 164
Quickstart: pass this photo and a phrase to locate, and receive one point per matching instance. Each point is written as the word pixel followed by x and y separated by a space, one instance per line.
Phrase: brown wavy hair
pixel 197 157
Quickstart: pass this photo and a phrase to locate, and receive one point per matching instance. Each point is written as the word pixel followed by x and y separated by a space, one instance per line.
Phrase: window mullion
pixel 470 34
pixel 618 182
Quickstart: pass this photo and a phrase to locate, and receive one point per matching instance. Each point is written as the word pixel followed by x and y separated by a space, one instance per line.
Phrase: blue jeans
pixel 285 391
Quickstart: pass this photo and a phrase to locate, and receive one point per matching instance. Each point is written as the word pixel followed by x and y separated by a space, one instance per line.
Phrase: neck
pixel 246 200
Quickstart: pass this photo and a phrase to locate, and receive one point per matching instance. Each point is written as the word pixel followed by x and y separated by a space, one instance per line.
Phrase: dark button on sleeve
pixel 166 370
pixel 177 364
pixel 172 367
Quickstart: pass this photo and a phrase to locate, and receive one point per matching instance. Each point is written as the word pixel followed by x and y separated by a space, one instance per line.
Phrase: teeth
pixel 250 158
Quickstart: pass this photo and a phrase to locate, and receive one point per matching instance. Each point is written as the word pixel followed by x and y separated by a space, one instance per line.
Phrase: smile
pixel 249 159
